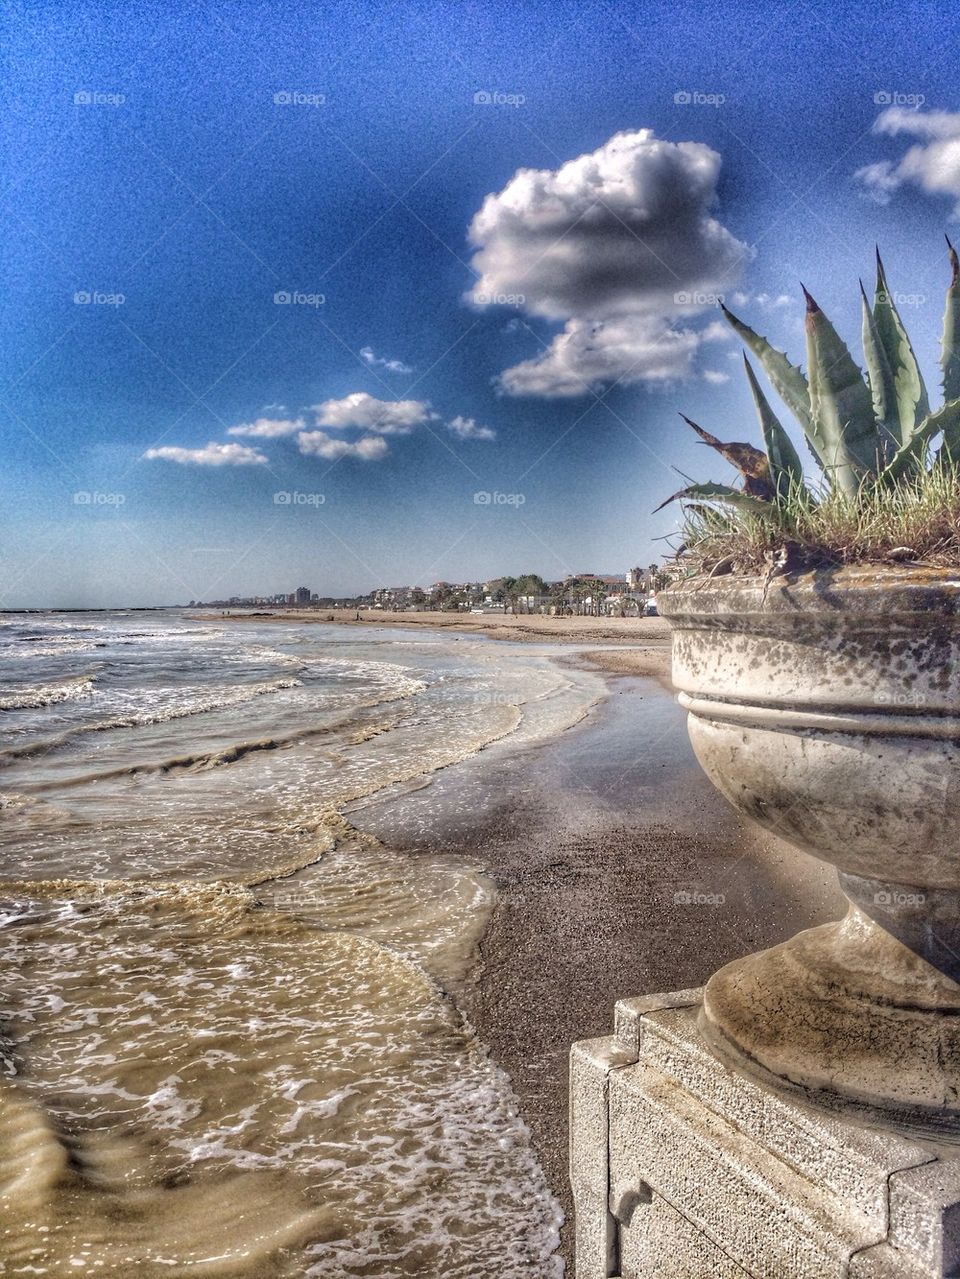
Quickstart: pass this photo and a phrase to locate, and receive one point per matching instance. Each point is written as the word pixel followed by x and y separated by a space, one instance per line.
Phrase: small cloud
pixel 268 428
pixel 465 428
pixel 766 301
pixel 715 376
pixel 931 163
pixel 318 444
pixel 717 331
pixel 392 366
pixel 386 417
pixel 211 455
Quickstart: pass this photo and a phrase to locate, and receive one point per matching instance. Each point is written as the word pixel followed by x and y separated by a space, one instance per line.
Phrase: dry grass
pixel 913 521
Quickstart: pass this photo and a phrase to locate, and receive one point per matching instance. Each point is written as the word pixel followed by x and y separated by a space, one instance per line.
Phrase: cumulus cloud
pixel 589 354
pixel 932 163
pixel 378 361
pixel 318 444
pixel 617 242
pixel 465 428
pixel 715 376
pixel 212 454
pixel 386 417
pixel 268 428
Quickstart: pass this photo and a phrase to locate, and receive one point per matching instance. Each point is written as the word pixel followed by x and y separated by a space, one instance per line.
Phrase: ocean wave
pixel 38 695
pixel 223 699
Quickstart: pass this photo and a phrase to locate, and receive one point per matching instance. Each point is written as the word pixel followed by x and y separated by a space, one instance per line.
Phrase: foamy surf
pixel 227 1004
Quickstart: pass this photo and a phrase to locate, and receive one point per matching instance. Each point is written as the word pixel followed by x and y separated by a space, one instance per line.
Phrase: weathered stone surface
pixel 710 1173
pixel 826 707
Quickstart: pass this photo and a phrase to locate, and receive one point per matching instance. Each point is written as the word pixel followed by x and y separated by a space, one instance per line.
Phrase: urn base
pixel 844 1011
pixel 682 1167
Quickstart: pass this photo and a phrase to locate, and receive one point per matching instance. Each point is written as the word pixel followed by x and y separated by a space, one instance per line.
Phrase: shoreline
pixel 525 627
pixel 588 838
pixel 631 646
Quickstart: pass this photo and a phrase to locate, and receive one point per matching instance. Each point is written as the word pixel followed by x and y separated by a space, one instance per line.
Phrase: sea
pixel 230 1043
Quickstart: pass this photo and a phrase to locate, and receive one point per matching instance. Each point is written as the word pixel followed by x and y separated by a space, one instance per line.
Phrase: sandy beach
pixel 594 844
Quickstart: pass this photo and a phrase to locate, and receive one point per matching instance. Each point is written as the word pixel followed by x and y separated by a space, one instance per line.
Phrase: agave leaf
pixel 749 461
pixel 787 380
pixel 786 469
pixel 840 404
pixel 950 345
pixel 883 386
pixel 911 403
pixel 911 457
pixel 949 415
pixel 720 493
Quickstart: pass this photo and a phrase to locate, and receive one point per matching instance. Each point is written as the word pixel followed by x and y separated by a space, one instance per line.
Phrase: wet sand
pixel 596 842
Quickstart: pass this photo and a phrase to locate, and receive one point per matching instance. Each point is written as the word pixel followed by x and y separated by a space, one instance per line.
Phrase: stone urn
pixel 826 708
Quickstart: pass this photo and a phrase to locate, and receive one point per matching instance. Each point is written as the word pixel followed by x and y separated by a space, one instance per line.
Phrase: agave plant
pixel 865 433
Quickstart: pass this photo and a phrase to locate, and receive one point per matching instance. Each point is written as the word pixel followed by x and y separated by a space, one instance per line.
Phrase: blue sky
pixel 266 250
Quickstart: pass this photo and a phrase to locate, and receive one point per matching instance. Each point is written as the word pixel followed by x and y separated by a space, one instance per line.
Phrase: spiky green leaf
pixel 840 404
pixel 786 469
pixel 720 493
pixel 949 450
pixel 950 344
pixel 910 401
pixel 787 380
pixel 749 461
pixel 912 456
pixel 883 386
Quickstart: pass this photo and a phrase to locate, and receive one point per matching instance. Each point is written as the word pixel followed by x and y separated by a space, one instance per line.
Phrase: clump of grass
pixel 914 520
pixel 883 495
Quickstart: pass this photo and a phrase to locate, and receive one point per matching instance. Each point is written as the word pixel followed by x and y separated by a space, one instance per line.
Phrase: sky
pixel 372 294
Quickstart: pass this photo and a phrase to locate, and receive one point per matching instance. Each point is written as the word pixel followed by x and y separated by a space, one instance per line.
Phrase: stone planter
pixel 826 707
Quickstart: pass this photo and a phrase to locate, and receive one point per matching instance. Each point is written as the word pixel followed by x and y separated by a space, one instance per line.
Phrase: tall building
pixel 303 595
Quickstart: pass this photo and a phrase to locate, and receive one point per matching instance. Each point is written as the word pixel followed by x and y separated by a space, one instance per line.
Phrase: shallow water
pixel 226 1042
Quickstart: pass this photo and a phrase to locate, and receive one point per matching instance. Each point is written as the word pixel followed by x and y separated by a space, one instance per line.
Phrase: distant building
pixel 302 595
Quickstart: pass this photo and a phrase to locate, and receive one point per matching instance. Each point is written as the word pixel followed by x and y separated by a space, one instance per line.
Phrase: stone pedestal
pixel 684 1168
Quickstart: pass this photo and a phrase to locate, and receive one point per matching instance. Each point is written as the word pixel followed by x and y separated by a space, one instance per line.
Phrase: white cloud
pixel 212 454
pixel 268 428
pixel 621 238
pixel 318 444
pixel 931 164
pixel 465 428
pixel 715 376
pixel 386 417
pixel 392 366
pixel 766 301
pixel 588 354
